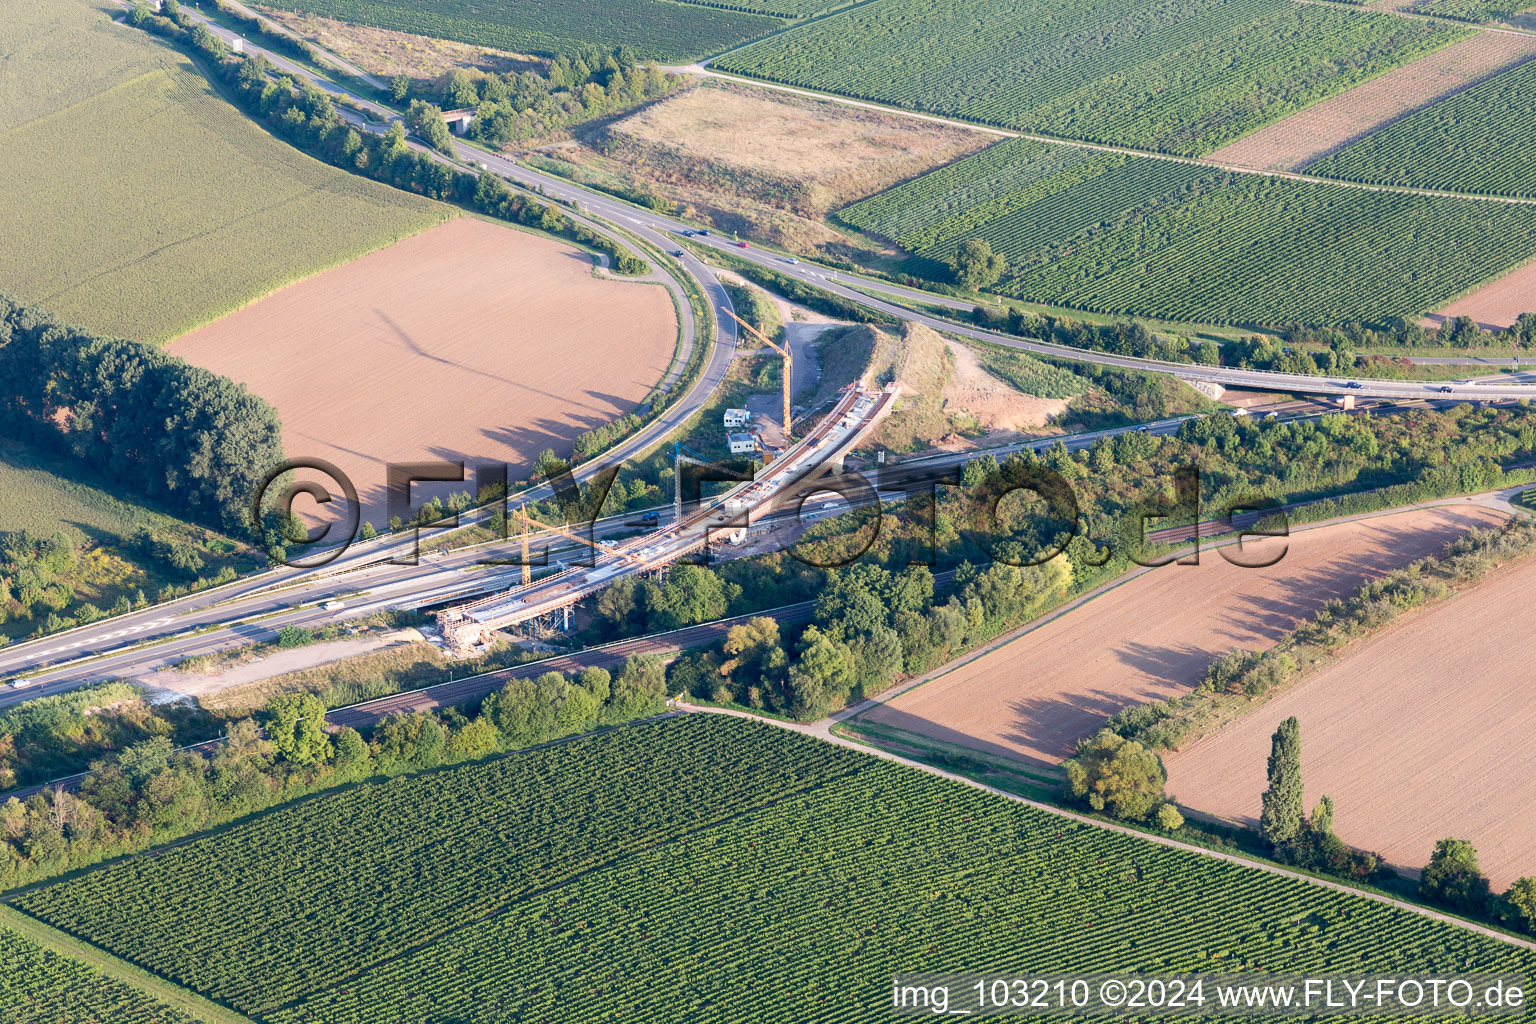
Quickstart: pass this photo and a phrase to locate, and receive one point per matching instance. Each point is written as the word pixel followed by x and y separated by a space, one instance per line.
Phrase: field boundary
pixel 822 730
pixel 118 969
pixel 1003 133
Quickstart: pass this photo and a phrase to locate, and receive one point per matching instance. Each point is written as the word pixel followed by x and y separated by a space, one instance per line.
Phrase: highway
pixel 253 609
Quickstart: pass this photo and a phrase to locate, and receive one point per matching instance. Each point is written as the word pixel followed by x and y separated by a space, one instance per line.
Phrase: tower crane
pixel 789 363
pixel 528 521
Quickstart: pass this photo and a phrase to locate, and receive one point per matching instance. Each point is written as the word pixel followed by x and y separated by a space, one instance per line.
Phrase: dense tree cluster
pixel 1308 350
pixel 47 737
pixel 149 791
pixel 577 87
pixel 144 420
pixel 870 627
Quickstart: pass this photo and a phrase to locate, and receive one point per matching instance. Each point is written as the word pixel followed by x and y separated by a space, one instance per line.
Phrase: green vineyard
pixel 696 869
pixel 652 29
pixel 1179 77
pixel 776 8
pixel 38 986
pixel 386 867
pixel 1482 140
pixel 1149 237
pixel 1476 11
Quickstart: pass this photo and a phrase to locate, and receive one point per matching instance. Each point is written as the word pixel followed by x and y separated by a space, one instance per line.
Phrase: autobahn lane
pixel 161 621
pixel 656 228
pixel 245 599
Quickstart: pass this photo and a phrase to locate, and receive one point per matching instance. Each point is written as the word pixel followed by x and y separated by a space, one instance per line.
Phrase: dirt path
pixel 1207 161
pixel 822 730
pixel 1326 127
pixel 1154 637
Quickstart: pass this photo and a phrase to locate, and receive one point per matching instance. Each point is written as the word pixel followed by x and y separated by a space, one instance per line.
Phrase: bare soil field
pixel 1293 142
pixel 1155 635
pixel 1496 304
pixel 470 342
pixel 1420 733
pixel 759 161
pixel 1001 411
pixel 386 53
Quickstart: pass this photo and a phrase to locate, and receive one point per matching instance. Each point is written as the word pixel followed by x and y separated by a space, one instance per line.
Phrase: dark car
pixel 1356 385
pixel 677 252
pixel 1446 389
pixel 704 231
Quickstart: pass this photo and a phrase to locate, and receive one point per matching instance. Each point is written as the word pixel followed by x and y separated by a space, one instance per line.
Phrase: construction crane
pixel 789 363
pixel 528 521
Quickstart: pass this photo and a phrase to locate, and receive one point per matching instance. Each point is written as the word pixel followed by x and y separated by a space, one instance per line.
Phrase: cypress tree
pixel 1282 813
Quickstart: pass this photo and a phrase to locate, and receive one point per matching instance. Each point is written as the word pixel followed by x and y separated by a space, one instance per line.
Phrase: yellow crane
pixel 789 363
pixel 528 521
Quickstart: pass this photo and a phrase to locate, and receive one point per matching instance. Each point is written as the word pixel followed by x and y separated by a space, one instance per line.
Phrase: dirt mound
pixel 996 408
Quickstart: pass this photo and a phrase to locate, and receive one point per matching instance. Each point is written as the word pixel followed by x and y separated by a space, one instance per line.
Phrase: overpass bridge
pixel 783 482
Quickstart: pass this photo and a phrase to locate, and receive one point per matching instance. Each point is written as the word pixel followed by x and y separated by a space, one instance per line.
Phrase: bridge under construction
pixel 783 483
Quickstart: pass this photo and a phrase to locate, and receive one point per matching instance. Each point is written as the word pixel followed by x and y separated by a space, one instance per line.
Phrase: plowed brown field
pixel 1497 304
pixel 469 341
pixel 1418 734
pixel 1155 635
pixel 1310 134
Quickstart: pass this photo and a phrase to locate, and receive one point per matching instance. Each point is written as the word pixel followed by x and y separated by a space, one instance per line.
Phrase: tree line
pixel 1164 724
pixel 149 792
pixel 148 422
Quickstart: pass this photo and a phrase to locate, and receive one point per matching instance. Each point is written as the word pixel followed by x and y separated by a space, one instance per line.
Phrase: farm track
pixel 824 730
pixel 703 69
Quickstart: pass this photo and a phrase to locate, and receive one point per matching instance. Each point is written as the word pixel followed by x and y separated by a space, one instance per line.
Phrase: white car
pixel 332 606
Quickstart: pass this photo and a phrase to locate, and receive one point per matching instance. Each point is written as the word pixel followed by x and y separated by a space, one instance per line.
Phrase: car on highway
pixel 744 244
pixel 688 232
pixel 791 259
pixel 332 606
pixel 676 252
pixel 704 232
pixel 1353 385
pixel 1445 389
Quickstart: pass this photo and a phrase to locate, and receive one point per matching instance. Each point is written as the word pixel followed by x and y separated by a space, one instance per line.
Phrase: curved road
pixel 256 596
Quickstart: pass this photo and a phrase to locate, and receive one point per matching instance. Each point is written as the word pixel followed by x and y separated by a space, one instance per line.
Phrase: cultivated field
pixel 1497 304
pixel 150 206
pixel 36 82
pixel 385 53
pixel 1320 129
pixel 767 164
pixel 1131 235
pixel 1481 140
pixel 1154 637
pixel 644 871
pixel 1418 734
pixel 38 985
pixel 806 154
pixel 1180 77
pixel 652 29
pixel 471 341
pixel 1480 11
